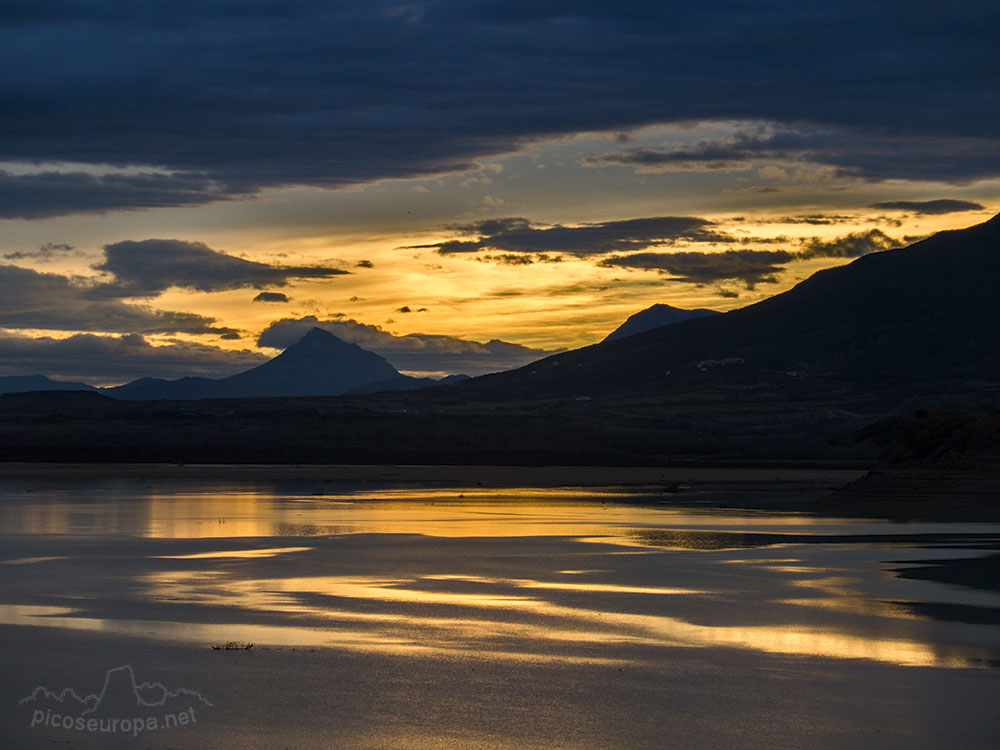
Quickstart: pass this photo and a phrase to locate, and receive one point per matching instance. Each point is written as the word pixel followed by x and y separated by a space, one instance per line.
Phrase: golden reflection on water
pixel 453 639
pixel 202 516
pixel 566 586
pixel 31 560
pixel 550 624
pixel 450 512
pixel 475 616
pixel 860 606
pixel 237 553
pixel 25 614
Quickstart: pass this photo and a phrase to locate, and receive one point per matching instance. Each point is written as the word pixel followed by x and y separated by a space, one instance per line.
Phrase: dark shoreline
pixel 485 475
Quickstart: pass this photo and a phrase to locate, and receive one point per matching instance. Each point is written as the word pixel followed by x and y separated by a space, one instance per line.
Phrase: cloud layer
pixel 518 235
pixel 111 360
pixel 853 245
pixel 149 267
pixel 44 194
pixel 55 302
pixel 752 267
pixel 846 151
pixel 225 97
pixel 933 208
pixel 516 241
pixel 144 269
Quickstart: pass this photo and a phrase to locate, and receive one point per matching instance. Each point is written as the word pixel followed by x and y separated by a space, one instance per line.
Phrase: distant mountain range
pixel 655 317
pixel 319 364
pixel 927 312
pixel 26 383
pixel 796 377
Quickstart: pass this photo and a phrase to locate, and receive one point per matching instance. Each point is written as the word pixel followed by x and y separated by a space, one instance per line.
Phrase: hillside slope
pixel 924 313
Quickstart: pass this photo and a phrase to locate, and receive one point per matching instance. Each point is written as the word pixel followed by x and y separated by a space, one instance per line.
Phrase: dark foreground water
pixel 471 618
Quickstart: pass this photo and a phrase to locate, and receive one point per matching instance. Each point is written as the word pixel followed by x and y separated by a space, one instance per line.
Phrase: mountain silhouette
pixel 923 313
pixel 319 364
pixel 792 377
pixel 26 383
pixel 654 317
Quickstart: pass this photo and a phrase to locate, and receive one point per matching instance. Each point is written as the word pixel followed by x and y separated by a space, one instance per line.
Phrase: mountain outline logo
pixel 123 704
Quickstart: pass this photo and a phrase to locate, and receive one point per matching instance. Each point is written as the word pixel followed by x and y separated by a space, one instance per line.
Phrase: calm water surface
pixel 585 590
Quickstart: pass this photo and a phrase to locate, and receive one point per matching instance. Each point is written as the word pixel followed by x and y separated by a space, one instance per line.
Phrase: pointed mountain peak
pixel 318 337
pixel 317 364
pixel 317 333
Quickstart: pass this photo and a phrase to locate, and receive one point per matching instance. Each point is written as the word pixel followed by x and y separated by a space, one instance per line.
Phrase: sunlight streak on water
pixel 553 633
pixel 526 574
pixel 466 512
pixel 270 552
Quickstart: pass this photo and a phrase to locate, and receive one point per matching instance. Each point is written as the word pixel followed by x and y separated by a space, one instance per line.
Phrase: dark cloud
pixel 51 301
pixel 935 207
pixel 508 259
pixel 271 297
pixel 149 267
pixel 518 259
pixel 572 290
pixel 417 352
pixel 46 253
pixel 364 264
pixel 517 235
pixel 833 219
pixel 45 194
pixel 110 360
pixel 229 97
pixel 404 309
pixel 779 240
pixel 752 267
pixel 816 219
pixel 735 151
pixel 850 246
pixel 869 156
pixel 710 156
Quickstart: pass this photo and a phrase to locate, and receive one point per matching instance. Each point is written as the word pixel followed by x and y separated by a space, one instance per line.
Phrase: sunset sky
pixel 186 187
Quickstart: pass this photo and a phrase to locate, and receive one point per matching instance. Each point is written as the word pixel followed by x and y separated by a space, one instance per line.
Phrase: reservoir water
pixel 463 617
